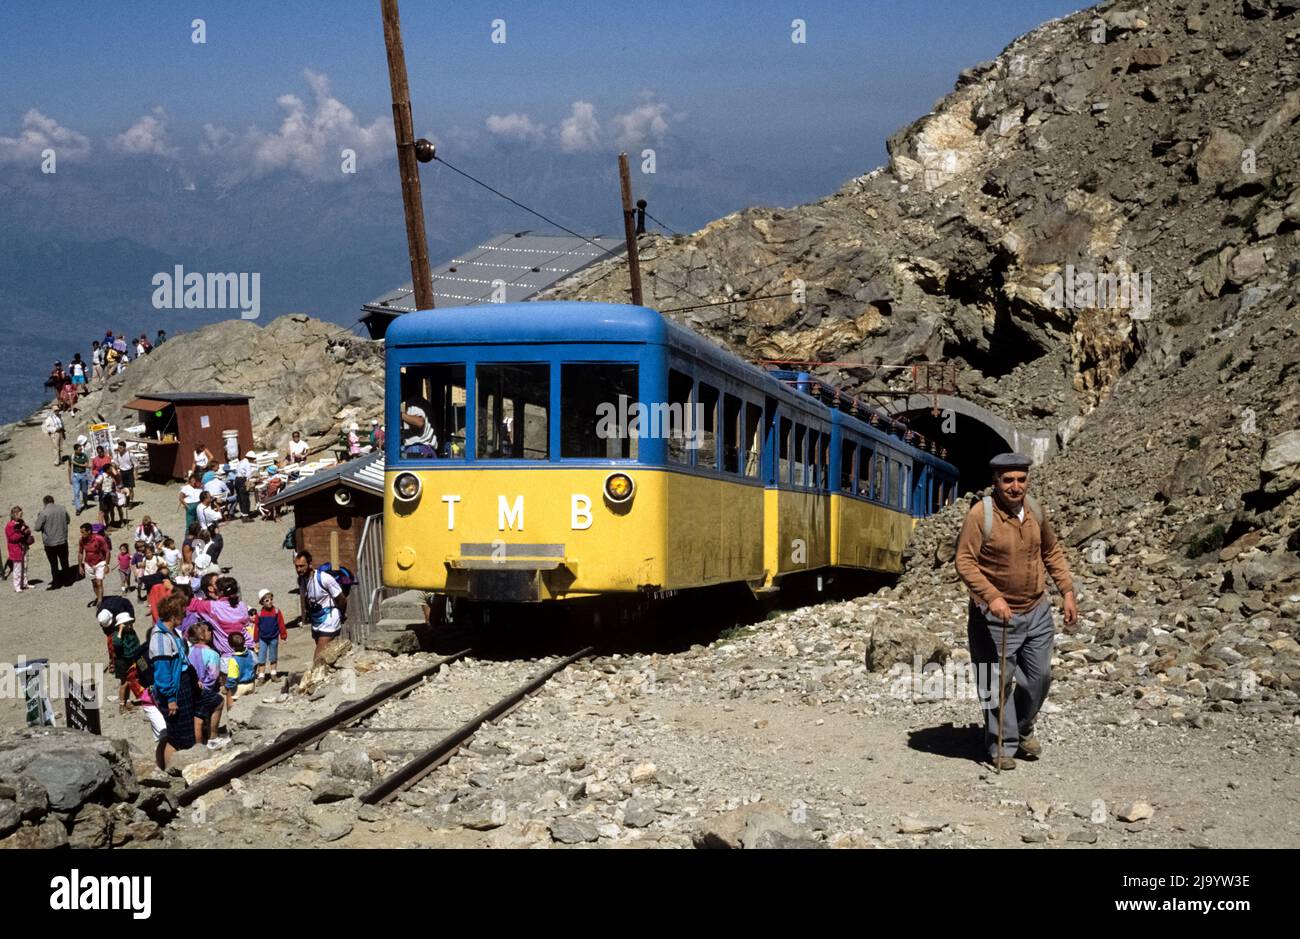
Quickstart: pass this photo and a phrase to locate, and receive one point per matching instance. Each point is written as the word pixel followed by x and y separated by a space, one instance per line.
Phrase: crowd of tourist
pixel 201 645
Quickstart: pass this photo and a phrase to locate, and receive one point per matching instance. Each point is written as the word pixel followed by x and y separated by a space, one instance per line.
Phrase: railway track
pixel 291 742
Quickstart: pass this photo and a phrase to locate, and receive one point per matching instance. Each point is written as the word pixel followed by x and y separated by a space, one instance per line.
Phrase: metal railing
pixel 370 579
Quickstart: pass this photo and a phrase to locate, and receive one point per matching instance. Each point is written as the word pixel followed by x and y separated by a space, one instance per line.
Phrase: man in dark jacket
pixel 52 522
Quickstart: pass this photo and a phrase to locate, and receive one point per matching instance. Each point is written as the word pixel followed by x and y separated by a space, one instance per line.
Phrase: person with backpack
pixel 324 602
pixel 129 662
pixel 1004 552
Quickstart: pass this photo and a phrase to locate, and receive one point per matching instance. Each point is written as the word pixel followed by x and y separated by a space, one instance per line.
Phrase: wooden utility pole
pixel 629 228
pixel 407 164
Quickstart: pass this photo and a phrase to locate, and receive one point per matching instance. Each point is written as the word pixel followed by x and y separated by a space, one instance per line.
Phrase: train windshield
pixel 513 403
pixel 432 411
pixel 599 417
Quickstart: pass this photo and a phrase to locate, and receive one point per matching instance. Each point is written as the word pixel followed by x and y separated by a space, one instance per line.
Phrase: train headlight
pixel 619 488
pixel 406 487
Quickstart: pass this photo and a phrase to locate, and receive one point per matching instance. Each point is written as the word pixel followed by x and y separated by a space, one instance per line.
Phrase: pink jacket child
pixel 19 537
pixel 226 614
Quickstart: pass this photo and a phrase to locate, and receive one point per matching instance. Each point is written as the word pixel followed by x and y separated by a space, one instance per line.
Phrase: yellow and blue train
pixel 556 450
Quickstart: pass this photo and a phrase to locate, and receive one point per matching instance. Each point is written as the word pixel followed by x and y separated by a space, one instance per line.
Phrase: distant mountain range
pixel 80 248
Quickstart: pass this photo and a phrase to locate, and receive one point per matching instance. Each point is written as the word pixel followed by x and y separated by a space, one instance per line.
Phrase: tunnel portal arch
pixel 972 434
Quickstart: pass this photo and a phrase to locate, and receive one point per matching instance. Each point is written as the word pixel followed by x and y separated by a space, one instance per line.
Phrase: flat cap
pixel 1006 461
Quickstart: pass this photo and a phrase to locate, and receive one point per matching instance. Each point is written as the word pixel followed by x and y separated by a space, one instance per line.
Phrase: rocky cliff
pixel 303 374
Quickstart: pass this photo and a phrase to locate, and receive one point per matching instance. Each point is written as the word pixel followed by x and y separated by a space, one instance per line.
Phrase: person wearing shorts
pixel 324 601
pixel 92 556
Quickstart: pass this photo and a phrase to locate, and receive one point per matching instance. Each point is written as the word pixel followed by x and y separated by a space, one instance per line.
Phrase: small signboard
pixel 36 692
pixel 101 435
pixel 82 705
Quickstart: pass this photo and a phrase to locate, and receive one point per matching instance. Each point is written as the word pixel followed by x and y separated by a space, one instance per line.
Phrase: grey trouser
pixel 1029 661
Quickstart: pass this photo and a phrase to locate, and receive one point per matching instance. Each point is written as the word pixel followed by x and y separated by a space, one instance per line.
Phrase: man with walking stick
pixel 1004 552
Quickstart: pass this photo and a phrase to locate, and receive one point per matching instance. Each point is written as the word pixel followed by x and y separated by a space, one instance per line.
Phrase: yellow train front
pixel 554 451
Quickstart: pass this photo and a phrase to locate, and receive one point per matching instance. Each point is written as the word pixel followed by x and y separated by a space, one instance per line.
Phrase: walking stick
pixel 1002 695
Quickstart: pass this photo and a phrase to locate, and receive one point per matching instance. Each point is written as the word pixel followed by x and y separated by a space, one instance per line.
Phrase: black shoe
pixel 91 603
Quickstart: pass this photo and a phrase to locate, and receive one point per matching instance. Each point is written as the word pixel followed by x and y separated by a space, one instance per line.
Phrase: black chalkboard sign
pixel 82 705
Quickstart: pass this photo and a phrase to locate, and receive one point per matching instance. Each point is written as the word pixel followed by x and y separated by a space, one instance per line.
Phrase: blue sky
pixel 225 155
pixel 726 75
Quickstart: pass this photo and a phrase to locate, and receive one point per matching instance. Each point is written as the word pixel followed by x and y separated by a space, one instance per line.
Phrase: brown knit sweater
pixel 1013 562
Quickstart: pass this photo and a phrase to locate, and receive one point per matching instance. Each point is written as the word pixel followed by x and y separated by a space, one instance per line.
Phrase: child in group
pixel 137 563
pixel 270 632
pixel 171 554
pixel 150 565
pixel 123 649
pixel 207 670
pixel 239 668
pixel 124 562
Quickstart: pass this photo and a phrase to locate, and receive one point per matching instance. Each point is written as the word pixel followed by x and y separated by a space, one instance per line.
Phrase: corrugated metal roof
pixel 193 397
pixel 366 474
pixel 526 262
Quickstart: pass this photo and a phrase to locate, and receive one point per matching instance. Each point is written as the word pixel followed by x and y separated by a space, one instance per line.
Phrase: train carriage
pixel 553 451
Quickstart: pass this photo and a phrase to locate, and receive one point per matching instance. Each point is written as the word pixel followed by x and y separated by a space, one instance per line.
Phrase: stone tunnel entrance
pixel 972 434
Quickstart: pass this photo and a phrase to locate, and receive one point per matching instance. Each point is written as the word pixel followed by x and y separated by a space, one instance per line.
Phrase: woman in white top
pixel 191 492
pixel 202 457
pixel 298 449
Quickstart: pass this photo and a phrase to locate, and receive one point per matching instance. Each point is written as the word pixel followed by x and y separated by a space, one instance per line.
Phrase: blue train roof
pixel 537 321
pixel 569 321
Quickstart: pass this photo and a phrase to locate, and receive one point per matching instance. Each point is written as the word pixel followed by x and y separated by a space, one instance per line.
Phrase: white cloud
pixel 40 133
pixel 580 130
pixel 516 127
pixel 310 138
pixel 148 135
pixel 645 122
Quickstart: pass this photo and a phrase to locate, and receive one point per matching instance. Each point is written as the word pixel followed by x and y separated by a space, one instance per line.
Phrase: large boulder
pixel 71 767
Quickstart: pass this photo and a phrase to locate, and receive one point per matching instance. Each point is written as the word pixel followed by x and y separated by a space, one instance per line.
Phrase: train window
pixel 824 461
pixel 684 421
pixel 708 452
pixel 800 459
pixel 783 477
pixel 513 411
pixel 595 400
pixel 865 459
pixel 432 411
pixel 847 456
pixel 814 459
pixel 731 433
pixel 753 439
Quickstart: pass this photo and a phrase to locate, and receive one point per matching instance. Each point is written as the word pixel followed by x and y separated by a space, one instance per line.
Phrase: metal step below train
pixel 557 450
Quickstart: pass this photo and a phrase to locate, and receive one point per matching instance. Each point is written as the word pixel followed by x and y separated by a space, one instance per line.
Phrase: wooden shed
pixel 330 509
pixel 175 422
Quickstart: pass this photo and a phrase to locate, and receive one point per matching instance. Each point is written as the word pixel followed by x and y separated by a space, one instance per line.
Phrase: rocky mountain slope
pixel 303 374
pixel 1160 140
pixel 1157 139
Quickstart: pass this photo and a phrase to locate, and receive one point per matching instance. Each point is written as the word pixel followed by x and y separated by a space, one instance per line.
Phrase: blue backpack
pixel 345 578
